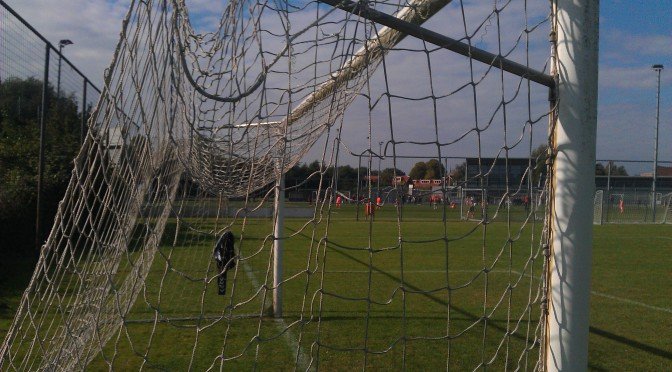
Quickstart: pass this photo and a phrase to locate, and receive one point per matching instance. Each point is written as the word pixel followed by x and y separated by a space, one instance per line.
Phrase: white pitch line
pixel 632 302
pixel 411 271
pixel 639 237
pixel 599 294
pixel 281 325
pixel 627 301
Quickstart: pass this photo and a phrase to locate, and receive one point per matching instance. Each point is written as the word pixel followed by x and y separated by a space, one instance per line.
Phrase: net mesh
pixel 189 140
pixel 598 207
pixel 667 208
pixel 631 206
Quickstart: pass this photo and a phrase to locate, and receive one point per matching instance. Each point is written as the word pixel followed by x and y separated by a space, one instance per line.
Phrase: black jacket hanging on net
pixel 224 255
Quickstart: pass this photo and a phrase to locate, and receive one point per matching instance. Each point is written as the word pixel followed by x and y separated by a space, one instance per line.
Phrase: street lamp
pixel 61 44
pixel 658 69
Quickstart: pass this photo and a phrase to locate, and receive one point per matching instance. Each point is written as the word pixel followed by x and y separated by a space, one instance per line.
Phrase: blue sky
pixel 633 36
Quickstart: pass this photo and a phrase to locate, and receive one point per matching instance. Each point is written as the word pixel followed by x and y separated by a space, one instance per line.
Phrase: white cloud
pixel 93 26
pixel 634 46
pixel 626 59
pixel 639 77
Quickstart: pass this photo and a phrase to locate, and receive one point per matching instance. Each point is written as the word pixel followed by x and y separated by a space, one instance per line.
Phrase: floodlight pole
pixel 278 243
pixel 61 44
pixel 610 165
pixel 658 69
pixel 573 185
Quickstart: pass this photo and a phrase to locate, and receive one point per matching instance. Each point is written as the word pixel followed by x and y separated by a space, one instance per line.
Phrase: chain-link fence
pixel 625 192
pixel 633 206
pixel 41 127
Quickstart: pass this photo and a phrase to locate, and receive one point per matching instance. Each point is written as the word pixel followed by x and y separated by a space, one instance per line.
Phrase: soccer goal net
pixel 473 202
pixel 598 207
pixel 666 208
pixel 499 205
pixel 172 249
pixel 632 206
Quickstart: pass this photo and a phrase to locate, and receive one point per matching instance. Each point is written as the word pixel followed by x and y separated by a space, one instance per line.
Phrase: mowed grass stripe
pixel 628 261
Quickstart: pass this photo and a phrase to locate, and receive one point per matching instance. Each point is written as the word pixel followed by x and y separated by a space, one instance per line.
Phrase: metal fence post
pixel 40 166
pixel 359 166
pixel 608 196
pixel 658 69
pixel 82 128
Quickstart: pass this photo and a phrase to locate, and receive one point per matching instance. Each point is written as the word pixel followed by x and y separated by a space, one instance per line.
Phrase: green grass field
pixel 451 294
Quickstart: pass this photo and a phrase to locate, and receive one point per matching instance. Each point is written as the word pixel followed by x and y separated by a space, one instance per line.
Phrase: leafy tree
pixel 458 173
pixel 435 170
pixel 432 169
pixel 616 170
pixel 619 171
pixel 296 175
pixel 418 171
pixel 20 101
pixel 600 170
pixel 308 176
pixel 347 178
pixel 388 174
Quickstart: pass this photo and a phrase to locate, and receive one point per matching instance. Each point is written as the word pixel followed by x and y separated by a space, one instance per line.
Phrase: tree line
pixel 309 176
pixel 20 105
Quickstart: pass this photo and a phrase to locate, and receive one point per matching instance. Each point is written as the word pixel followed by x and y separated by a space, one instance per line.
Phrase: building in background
pixel 498 174
pixel 661 170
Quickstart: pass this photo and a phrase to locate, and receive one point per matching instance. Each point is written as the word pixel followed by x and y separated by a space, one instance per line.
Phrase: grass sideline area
pixel 629 307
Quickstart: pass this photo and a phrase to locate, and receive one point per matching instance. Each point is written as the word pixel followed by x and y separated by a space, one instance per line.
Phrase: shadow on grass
pixel 326 318
pixel 469 315
pixel 636 344
pixel 492 323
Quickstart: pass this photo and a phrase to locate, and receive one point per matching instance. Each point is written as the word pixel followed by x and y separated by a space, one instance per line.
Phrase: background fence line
pixel 30 62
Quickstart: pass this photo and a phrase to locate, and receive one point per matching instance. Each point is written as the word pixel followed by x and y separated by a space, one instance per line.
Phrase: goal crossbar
pixel 443 41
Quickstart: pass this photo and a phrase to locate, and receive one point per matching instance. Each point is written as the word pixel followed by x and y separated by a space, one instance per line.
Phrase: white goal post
pixel 574 185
